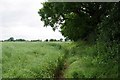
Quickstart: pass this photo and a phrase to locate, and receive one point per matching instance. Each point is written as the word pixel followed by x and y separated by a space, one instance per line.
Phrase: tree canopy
pixel 76 20
pixel 11 39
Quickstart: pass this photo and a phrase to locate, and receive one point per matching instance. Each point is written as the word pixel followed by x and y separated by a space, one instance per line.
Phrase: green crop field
pixel 30 60
pixel 56 60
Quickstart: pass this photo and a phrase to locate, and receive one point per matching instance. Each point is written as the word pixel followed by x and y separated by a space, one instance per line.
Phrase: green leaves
pixel 76 20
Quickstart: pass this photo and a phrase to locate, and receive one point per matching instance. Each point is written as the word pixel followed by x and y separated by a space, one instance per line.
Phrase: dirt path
pixel 59 74
pixel 63 65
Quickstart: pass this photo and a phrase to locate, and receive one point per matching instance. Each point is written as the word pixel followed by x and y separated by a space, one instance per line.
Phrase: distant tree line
pixel 54 40
pixel 11 39
pixel 36 40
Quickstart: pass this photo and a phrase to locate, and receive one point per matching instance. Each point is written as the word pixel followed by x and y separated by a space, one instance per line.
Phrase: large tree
pixel 76 20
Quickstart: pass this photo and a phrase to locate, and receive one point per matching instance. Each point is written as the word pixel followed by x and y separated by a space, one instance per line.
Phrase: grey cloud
pixel 19 18
pixel 19 11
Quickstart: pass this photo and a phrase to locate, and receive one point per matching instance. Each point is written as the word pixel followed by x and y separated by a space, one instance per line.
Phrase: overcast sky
pixel 19 19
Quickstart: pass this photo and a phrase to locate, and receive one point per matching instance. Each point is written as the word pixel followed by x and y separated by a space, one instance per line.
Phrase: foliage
pixel 84 61
pixel 110 26
pixel 61 39
pixel 91 22
pixel 76 20
pixel 36 40
pixel 46 40
pixel 10 39
pixel 52 40
pixel 20 40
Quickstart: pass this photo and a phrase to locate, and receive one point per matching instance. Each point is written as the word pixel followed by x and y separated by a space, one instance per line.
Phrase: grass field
pixel 56 59
pixel 30 60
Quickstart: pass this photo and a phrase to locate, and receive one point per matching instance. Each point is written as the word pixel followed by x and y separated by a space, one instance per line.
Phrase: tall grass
pixel 45 60
pixel 91 61
pixel 30 60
